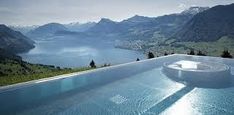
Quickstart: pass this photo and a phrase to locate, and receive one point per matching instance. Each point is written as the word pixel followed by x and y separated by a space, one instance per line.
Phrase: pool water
pixel 135 88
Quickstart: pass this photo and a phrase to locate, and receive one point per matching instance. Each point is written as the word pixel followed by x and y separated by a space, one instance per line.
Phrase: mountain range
pixel 23 29
pixel 144 28
pixel 14 41
pixel 194 24
pixel 209 25
pixel 136 27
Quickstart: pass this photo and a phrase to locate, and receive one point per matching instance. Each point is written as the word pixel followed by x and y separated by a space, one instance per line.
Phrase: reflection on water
pixel 82 51
pixel 75 52
pixel 170 100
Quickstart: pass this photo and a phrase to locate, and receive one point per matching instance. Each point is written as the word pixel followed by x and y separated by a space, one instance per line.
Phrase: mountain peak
pixel 106 20
pixel 52 24
pixel 194 10
pixel 209 25
pixel 46 30
pixel 137 18
pixel 2 26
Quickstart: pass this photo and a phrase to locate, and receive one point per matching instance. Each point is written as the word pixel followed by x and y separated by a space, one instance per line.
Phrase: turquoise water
pixel 138 88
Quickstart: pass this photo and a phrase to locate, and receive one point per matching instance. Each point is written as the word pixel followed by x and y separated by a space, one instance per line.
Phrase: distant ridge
pixel 133 28
pixel 104 26
pixel 46 30
pixel 210 25
pixel 78 27
pixel 144 28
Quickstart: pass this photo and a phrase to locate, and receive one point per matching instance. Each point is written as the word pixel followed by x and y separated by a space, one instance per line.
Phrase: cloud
pixel 182 6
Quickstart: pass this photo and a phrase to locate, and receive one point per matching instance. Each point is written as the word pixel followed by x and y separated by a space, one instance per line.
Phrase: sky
pixel 38 12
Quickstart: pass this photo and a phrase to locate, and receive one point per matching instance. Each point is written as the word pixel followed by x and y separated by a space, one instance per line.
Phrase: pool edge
pixel 63 76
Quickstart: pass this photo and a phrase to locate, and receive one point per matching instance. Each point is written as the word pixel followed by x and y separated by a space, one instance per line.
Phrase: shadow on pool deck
pixel 168 101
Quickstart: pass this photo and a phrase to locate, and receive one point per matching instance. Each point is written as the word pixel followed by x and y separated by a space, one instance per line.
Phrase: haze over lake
pixel 66 51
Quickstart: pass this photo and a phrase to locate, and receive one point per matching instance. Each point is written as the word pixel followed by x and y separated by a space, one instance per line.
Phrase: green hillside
pixel 211 48
pixel 14 70
pixel 214 48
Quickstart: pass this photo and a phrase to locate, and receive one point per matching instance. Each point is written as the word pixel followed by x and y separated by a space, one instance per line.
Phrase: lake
pixel 67 51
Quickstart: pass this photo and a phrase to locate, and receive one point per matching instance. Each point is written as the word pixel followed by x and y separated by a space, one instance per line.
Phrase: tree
pixel 226 54
pixel 191 52
pixel 105 65
pixel 200 53
pixel 150 55
pixel 137 59
pixel 92 64
pixel 58 68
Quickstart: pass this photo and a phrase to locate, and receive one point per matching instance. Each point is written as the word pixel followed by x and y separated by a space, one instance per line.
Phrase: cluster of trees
pixel 93 65
pixel 225 53
pixel 199 53
pixel 151 55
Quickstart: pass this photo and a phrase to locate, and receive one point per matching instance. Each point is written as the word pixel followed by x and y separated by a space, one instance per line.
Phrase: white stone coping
pixel 33 82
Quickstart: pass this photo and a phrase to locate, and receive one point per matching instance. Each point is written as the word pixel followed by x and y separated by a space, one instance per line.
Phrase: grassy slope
pixel 212 48
pixel 209 48
pixel 16 71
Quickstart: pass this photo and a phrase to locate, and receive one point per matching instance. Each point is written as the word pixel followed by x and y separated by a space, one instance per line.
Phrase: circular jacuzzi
pixel 198 73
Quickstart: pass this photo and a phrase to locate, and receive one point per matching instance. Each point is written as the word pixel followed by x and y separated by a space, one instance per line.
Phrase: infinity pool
pixel 133 88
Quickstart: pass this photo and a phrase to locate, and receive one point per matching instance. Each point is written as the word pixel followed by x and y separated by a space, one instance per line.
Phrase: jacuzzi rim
pixel 225 67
